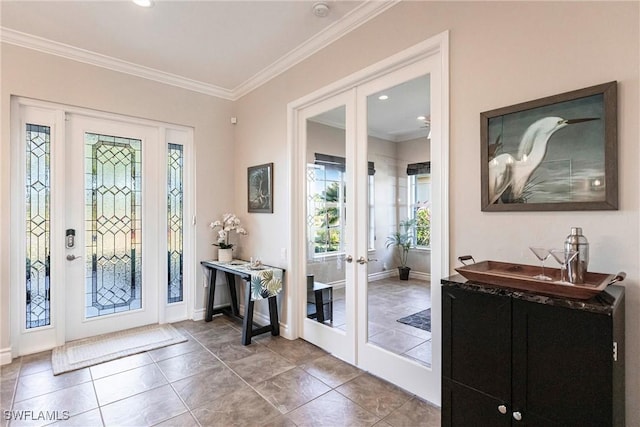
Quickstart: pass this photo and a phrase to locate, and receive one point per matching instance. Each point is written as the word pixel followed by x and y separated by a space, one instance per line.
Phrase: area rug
pixel 103 348
pixel 420 320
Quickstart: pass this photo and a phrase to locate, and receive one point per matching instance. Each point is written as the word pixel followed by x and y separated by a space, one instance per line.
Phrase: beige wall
pixel 35 75
pixel 500 54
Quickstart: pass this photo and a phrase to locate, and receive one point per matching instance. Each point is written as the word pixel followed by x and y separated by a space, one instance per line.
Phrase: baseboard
pixel 420 275
pixel 5 356
pixel 198 314
pixel 382 275
pixel 394 273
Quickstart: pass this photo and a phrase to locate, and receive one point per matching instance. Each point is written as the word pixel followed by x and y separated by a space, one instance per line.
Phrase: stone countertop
pixel 603 303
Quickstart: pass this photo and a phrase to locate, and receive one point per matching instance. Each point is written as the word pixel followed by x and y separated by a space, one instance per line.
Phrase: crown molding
pixel 51 47
pixel 355 18
pixel 348 23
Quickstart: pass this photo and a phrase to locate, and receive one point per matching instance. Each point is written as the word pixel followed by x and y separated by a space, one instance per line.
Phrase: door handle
pixel 361 260
pixel 348 258
pixel 72 257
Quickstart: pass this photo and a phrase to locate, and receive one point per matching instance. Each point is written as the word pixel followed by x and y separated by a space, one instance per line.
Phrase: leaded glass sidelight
pixel 38 211
pixel 113 199
pixel 175 197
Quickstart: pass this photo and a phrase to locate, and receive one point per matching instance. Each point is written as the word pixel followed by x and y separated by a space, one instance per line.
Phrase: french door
pixel 352 189
pixel 98 213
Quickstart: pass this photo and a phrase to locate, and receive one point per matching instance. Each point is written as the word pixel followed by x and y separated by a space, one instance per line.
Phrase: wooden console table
pixel 259 284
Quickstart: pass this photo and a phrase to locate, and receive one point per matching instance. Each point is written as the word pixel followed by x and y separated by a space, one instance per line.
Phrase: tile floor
pixel 389 300
pixel 211 380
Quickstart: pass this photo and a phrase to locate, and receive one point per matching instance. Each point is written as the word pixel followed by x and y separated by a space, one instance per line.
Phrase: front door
pixel 98 227
pixel 112 189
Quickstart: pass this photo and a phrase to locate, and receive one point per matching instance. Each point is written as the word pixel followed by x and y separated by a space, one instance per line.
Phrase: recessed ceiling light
pixel 383 97
pixel 144 3
pixel 421 118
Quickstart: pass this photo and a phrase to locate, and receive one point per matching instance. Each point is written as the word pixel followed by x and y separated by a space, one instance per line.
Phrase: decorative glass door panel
pixel 113 204
pixel 114 268
pixel 38 213
pixel 175 222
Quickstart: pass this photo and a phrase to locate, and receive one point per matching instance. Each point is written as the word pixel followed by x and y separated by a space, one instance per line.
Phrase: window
pixel 325 208
pixel 326 205
pixel 419 185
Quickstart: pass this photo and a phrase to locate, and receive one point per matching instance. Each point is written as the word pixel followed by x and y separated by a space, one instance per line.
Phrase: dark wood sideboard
pixel 513 358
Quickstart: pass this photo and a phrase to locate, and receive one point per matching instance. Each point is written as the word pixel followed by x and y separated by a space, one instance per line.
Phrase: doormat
pixel 103 348
pixel 420 320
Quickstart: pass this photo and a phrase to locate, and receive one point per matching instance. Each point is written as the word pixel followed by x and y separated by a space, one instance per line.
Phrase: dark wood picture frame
pixel 260 188
pixel 557 153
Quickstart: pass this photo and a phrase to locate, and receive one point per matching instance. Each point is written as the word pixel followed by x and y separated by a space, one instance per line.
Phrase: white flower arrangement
pixel 229 223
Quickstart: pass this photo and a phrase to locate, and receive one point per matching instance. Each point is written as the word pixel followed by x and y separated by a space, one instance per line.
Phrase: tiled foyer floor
pixel 212 380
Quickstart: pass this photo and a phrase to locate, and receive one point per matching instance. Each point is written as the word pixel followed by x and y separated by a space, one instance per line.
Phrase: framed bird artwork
pixel 551 154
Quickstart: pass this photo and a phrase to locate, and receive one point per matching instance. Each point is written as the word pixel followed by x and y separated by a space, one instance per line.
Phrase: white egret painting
pixel 556 153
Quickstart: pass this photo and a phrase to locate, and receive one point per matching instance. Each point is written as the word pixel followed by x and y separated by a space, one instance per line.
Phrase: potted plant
pixel 403 240
pixel 229 223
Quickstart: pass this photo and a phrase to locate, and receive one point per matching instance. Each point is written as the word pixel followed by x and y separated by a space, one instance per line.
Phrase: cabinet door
pixel 562 364
pixel 476 341
pixel 464 407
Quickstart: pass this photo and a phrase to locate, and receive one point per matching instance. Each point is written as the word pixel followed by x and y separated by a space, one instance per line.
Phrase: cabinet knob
pixel 502 409
pixel 517 416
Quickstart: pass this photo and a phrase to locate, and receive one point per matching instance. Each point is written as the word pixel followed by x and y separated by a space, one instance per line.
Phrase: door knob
pixel 71 257
pixel 502 409
pixel 348 258
pixel 361 260
pixel 517 416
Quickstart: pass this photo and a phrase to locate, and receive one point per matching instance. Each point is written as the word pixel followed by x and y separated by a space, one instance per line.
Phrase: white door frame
pixel 433 49
pixel 340 343
pixel 25 341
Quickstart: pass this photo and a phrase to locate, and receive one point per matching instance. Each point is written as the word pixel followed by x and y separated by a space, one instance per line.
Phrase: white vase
pixel 225 255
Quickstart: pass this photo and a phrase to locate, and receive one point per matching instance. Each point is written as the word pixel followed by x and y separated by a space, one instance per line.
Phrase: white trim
pixel 434 54
pixel 5 356
pixel 51 47
pixel 198 314
pixel 352 20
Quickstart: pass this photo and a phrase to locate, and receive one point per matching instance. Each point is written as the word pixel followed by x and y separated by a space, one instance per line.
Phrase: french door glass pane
pixel 37 194
pixel 398 306
pixel 326 197
pixel 113 198
pixel 175 198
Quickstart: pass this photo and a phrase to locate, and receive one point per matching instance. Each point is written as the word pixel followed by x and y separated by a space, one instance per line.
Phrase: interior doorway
pixel 351 198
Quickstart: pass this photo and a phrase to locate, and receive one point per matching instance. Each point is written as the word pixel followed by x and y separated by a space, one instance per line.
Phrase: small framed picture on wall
pixel 260 188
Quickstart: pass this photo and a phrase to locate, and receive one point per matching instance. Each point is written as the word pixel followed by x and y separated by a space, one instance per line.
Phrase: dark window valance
pixel 419 168
pixel 338 162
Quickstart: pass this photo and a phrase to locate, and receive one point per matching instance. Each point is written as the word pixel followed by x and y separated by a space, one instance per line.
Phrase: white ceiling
pixel 395 118
pixel 223 48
